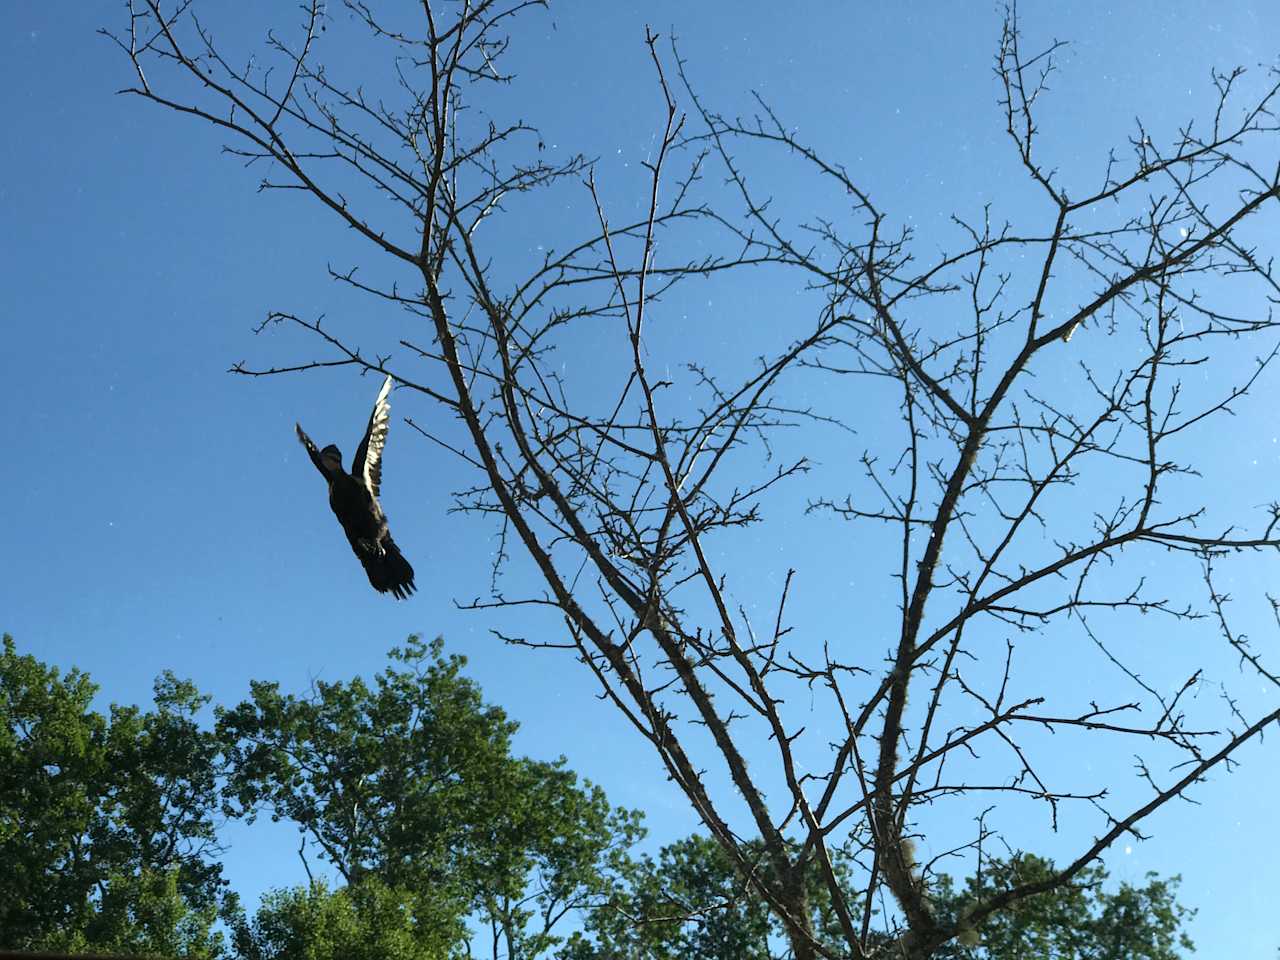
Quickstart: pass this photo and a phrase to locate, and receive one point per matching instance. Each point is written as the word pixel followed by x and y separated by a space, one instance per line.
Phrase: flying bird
pixel 354 499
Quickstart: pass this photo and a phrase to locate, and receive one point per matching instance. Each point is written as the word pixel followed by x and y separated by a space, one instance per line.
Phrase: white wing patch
pixel 368 465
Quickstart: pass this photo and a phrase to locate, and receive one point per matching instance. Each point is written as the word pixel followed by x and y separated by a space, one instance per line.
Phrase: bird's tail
pixel 388 570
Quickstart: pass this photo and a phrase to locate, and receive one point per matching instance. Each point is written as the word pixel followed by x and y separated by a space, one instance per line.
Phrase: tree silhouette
pixel 1029 401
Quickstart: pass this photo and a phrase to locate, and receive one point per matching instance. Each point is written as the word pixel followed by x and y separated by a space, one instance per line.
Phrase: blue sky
pixel 160 515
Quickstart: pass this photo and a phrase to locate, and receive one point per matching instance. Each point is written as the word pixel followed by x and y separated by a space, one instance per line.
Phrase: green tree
pixel 107 829
pixel 409 790
pixel 142 914
pixel 690 901
pixel 410 781
pixel 364 921
pixel 1080 921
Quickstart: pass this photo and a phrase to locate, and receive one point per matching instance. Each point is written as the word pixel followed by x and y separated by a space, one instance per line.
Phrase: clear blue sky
pixel 158 513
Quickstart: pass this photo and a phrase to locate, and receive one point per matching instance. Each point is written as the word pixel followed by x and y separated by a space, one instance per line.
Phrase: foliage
pixel 144 914
pixel 106 822
pixel 411 781
pixel 689 902
pixel 366 921
pixel 409 789
pixel 1079 921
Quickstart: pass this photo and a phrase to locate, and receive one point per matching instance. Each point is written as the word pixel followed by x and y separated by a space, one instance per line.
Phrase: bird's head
pixel 332 457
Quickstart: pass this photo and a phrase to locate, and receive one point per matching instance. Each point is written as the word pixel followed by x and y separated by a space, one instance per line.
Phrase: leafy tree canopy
pixel 411 780
pixel 364 921
pixel 407 789
pixel 689 901
pixel 107 822
pixel 1081 921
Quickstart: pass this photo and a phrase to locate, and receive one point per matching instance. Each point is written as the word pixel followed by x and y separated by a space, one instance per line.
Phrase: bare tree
pixel 998 500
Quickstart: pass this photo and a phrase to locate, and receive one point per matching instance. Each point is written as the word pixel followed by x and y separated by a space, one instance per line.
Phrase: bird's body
pixel 353 497
pixel 365 525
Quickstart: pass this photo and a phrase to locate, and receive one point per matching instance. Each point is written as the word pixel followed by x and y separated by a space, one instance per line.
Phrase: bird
pixel 353 497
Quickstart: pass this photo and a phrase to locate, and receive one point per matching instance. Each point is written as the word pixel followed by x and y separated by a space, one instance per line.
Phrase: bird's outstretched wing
pixel 311 449
pixel 367 466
